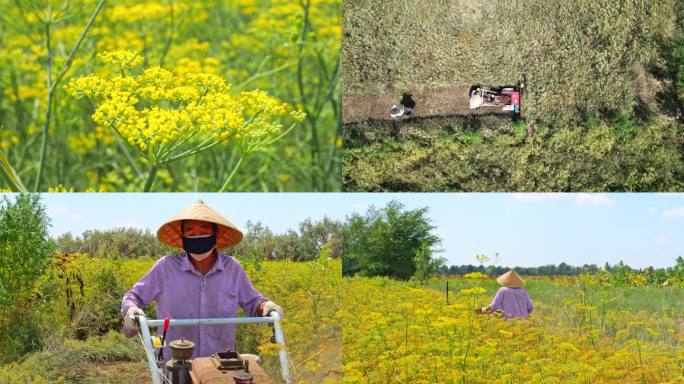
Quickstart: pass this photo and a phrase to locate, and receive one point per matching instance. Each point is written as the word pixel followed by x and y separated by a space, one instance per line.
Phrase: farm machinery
pixel 222 367
pixel 456 101
pixel 504 99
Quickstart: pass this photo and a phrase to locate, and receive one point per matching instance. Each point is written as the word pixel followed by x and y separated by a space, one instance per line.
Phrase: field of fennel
pixel 75 309
pixel 172 95
pixel 582 330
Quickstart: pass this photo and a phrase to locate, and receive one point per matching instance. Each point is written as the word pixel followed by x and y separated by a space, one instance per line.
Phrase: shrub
pixel 25 251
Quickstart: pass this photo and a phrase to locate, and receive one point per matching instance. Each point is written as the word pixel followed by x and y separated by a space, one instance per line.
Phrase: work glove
pixel 270 306
pixel 129 319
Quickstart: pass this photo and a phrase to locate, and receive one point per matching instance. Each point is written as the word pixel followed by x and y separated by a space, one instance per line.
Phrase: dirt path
pixel 435 102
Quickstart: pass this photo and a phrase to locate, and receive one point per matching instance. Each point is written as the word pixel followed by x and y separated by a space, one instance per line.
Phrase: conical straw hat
pixel 475 101
pixel 227 234
pixel 511 279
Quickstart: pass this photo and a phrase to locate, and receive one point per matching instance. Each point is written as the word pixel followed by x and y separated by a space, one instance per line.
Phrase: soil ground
pixel 435 102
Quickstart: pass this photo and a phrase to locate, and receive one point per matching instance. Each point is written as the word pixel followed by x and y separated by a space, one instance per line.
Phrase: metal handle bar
pixel 273 318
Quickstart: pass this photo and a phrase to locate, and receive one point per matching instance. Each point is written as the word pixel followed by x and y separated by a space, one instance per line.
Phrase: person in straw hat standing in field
pixel 511 299
pixel 199 282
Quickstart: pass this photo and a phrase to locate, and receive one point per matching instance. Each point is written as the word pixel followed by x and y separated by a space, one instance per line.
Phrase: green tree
pixel 25 246
pixel 390 241
pixel 314 235
pixel 426 264
pixel 25 254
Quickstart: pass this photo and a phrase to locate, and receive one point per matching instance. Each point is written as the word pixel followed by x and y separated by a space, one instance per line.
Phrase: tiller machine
pixel 223 367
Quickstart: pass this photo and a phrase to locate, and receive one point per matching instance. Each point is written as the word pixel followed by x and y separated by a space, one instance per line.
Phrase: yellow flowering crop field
pixel 170 95
pixel 580 331
pixel 311 294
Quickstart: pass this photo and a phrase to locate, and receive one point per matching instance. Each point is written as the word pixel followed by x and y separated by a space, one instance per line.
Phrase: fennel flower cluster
pixel 162 112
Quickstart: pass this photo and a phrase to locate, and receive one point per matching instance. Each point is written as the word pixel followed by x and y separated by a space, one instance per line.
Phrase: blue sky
pixel 526 229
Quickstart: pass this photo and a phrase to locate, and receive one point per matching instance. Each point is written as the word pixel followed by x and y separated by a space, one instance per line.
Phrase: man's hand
pixel 270 306
pixel 129 319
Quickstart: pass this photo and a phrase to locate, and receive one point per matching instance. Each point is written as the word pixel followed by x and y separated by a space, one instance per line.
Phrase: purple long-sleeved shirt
pixel 514 302
pixel 181 292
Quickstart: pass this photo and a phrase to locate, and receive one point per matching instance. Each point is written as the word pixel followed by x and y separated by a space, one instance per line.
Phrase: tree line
pixel 259 241
pixel 388 241
pixel 561 269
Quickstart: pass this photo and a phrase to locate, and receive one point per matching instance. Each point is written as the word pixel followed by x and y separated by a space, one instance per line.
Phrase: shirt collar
pixel 186 264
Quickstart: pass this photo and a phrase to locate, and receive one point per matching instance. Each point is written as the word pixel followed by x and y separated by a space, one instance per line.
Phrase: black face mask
pixel 198 245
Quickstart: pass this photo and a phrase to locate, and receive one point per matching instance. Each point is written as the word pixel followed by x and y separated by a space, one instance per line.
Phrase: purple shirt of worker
pixel 513 302
pixel 181 292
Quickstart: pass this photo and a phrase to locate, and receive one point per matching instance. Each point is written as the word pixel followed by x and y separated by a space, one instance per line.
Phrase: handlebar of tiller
pixel 273 318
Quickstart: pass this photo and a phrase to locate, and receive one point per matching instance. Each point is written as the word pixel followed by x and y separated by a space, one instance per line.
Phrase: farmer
pixel 200 282
pixel 476 101
pixel 511 299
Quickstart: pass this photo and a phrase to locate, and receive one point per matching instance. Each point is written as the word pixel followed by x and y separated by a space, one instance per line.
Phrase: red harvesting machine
pixel 503 99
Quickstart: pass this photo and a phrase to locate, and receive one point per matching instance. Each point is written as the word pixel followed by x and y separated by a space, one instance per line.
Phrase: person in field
pixel 511 299
pixel 199 282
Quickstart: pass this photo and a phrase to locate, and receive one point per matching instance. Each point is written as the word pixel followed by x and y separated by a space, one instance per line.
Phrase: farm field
pixel 145 95
pixel 85 343
pixel 602 83
pixel 582 329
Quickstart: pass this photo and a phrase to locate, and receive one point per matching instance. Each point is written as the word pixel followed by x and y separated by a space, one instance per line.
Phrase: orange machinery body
pixel 205 370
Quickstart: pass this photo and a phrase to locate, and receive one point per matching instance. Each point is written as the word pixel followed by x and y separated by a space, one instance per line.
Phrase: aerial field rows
pixel 586 63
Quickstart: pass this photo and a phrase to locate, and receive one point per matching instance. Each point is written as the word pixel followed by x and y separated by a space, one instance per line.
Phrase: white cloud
pixel 652 210
pixel 677 212
pixel 534 197
pixel 593 198
pixel 663 238
pixel 54 211
pixel 669 195
pixel 57 210
pixel 579 198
